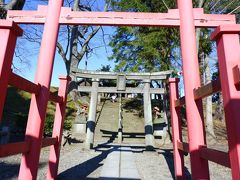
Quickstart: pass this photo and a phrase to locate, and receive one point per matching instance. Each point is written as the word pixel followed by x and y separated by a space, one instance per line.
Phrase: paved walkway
pixel 120 164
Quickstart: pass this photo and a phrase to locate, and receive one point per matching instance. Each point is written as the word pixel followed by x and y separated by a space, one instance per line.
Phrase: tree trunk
pixel 12 5
pixel 73 63
pixel 204 63
pixel 219 112
pixel 15 5
pixel 76 54
pixel 209 117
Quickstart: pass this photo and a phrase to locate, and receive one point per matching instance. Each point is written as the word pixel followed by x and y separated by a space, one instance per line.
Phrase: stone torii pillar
pixel 91 123
pixel 149 138
pixel 164 110
pixel 120 120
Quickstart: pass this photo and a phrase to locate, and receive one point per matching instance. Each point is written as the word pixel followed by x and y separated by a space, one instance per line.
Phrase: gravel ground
pixel 77 163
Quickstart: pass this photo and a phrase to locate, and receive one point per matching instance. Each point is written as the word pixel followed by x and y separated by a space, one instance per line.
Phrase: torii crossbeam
pixel 170 19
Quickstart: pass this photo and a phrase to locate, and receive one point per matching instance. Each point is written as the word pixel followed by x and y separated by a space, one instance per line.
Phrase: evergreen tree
pixel 145 49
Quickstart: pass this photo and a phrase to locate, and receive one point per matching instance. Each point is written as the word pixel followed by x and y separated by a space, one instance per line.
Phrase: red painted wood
pixel 49 141
pixel 176 129
pixel 38 106
pixel 229 29
pixel 23 84
pixel 55 98
pixel 8 37
pixel 208 89
pixel 12 26
pixel 183 146
pixel 194 112
pixel 57 129
pixel 216 156
pixel 180 102
pixel 14 148
pixel 236 76
pixel 228 48
pixel 171 18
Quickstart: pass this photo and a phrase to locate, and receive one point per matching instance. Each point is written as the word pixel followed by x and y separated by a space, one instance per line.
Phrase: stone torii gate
pixel 187 18
pixel 121 79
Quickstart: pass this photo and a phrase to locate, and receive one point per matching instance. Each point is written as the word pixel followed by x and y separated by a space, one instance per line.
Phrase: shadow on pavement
pixel 168 155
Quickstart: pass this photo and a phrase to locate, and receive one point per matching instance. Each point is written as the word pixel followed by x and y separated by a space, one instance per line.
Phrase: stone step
pixel 120 164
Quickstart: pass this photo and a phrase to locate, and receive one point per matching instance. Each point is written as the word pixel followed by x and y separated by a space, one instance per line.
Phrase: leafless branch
pixel 104 42
pixel 234 10
pixel 15 5
pixel 61 52
pixel 86 42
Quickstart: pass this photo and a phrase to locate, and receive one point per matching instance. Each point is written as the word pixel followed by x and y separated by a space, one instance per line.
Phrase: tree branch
pixel 86 42
pixel 61 52
pixel 15 5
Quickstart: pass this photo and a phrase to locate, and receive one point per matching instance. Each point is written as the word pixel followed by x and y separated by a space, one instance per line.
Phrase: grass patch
pixel 16 108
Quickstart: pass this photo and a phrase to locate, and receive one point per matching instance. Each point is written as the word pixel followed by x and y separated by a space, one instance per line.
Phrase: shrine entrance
pixel 121 79
pixel 187 18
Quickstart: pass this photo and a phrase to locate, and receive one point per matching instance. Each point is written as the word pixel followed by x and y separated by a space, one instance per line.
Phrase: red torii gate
pixel 188 19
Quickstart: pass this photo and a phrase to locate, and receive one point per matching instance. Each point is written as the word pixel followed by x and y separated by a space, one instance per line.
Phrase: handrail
pixel 23 84
pixel 208 89
pixel 183 146
pixel 216 156
pixel 30 87
pixel 49 141
pixel 202 92
pixel 14 148
pixel 55 98
pixel 180 102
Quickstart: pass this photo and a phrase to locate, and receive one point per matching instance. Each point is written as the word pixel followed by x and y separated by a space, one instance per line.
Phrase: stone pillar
pixel 99 98
pixel 91 123
pixel 79 126
pixel 164 113
pixel 120 123
pixel 165 103
pixel 149 138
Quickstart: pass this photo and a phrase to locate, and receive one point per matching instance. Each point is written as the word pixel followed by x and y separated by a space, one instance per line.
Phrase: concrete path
pixel 120 165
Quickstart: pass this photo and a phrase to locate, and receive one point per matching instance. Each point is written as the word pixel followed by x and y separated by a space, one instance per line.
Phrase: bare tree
pixel 12 5
pixel 73 43
pixel 78 45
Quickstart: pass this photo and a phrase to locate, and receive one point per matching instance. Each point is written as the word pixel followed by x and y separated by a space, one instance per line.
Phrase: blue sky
pixel 98 58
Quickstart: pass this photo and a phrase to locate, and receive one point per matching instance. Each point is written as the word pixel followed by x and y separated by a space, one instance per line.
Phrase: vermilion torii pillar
pixel 176 129
pixel 58 128
pixel 38 106
pixel 196 135
pixel 91 122
pixel 228 47
pixel 9 31
pixel 149 138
